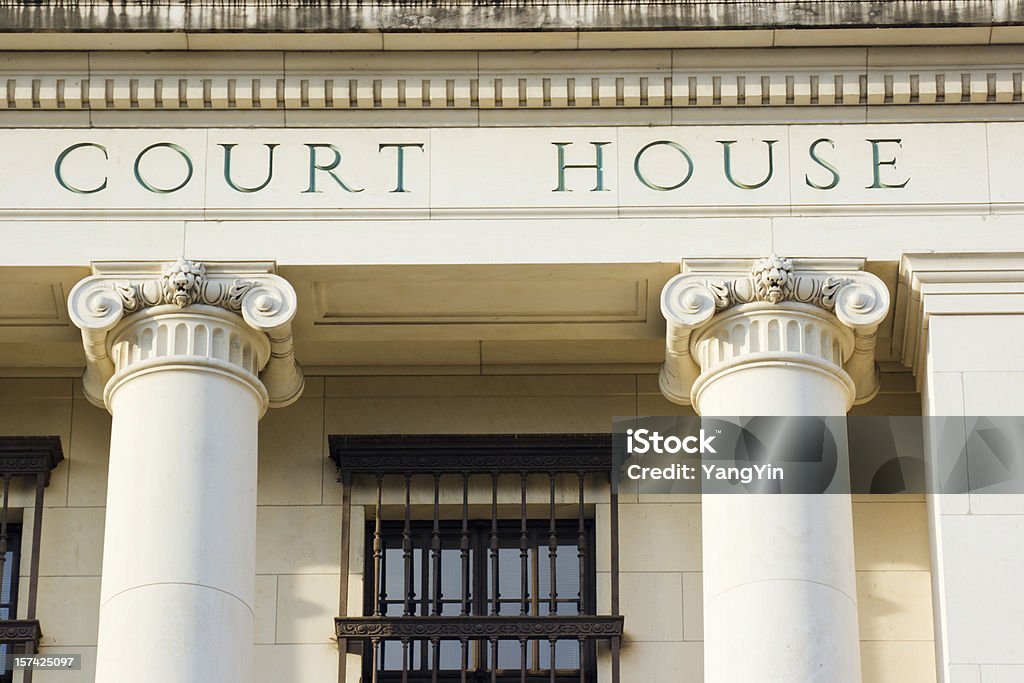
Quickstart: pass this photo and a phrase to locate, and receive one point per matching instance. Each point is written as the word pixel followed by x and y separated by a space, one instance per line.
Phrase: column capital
pixel 725 313
pixel 233 317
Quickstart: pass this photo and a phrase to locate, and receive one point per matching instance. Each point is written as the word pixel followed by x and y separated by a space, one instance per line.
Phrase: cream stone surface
pixel 265 610
pixel 898 662
pixel 895 605
pixel 891 536
pixel 90 447
pixel 292 454
pixel 306 607
pixel 72 542
pixel 289 539
pixel 83 675
pixel 68 605
pixel 654 661
pixel 315 663
pixel 648 593
pixel 693 606
pixel 663 537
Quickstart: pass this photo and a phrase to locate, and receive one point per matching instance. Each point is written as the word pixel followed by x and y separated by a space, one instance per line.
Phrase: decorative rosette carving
pixel 264 301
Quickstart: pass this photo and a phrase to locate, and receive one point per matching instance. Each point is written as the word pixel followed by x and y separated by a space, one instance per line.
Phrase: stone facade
pixel 222 246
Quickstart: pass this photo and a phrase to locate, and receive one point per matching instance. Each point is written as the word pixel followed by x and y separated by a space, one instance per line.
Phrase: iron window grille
pixel 423 621
pixel 31 459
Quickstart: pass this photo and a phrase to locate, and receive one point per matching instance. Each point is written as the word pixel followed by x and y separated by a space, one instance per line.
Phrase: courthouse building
pixel 315 316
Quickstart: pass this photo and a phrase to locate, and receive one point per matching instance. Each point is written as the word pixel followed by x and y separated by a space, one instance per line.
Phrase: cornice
pixel 205 85
pixel 534 16
pixel 951 284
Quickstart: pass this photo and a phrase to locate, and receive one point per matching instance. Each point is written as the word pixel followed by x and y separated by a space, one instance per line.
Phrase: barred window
pixel 10 557
pixel 526 563
pixel 486 596
pixel 25 465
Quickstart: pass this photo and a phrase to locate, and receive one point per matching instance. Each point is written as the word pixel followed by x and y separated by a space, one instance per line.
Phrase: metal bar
pixel 3 534
pixel 581 547
pixel 495 596
pixel 378 554
pixel 26 677
pixel 614 541
pixel 616 675
pixel 37 533
pixel 407 551
pixel 424 602
pixel 553 550
pixel 346 547
pixel 435 669
pixel 435 545
pixel 375 661
pixel 464 545
pixel 522 660
pixel 465 659
pixel 405 660
pixel 552 668
pixel 494 660
pixel 524 553
pixel 583 659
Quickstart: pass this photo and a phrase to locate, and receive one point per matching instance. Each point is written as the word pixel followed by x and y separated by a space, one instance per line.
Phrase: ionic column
pixel 782 338
pixel 186 358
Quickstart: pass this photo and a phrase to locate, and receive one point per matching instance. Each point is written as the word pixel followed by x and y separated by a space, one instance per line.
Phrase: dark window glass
pixel 9 592
pixel 539 601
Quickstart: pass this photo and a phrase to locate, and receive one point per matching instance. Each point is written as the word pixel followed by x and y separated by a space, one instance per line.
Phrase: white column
pixel 788 340
pixel 187 359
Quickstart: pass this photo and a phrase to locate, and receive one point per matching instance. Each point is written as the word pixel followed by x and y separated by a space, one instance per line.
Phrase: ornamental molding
pixel 135 316
pixel 723 313
pixel 35 89
pixel 937 284
pixel 472 454
pixel 21 632
pixel 22 456
pixel 480 627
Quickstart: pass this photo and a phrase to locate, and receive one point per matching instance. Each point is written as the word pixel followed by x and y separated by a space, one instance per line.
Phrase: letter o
pixel 672 444
pixel 159 190
pixel 655 186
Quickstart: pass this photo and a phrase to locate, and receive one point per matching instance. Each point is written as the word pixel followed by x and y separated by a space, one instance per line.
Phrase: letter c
pixel 60 162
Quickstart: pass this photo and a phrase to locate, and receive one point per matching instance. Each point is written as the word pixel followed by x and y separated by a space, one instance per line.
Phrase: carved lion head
pixel 182 282
pixel 773 278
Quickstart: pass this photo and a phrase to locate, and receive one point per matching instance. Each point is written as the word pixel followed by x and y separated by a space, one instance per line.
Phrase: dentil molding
pixel 724 313
pixel 217 88
pixel 233 317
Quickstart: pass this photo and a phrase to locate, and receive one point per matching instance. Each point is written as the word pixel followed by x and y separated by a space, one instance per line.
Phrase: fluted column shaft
pixel 181 376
